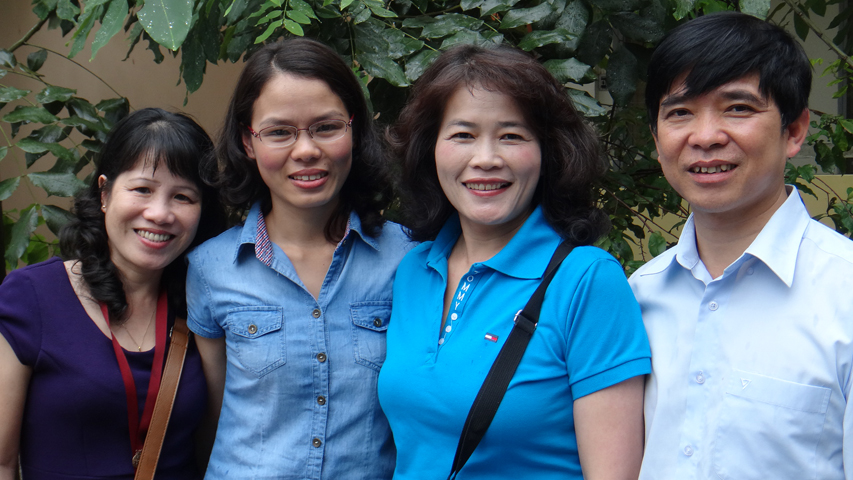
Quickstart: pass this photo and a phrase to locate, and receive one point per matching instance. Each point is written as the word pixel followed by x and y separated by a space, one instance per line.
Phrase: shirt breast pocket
pixel 769 428
pixel 369 324
pixel 257 338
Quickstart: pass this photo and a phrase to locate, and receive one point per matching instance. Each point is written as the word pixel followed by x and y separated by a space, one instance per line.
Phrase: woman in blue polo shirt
pixel 497 167
pixel 290 308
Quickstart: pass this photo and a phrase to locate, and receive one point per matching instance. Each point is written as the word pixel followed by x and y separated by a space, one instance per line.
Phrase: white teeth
pixel 717 169
pixel 154 237
pixel 486 186
pixel 308 178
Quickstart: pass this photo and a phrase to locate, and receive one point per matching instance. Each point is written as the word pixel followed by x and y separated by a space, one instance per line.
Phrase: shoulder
pixel 588 258
pixel 224 243
pixel 51 269
pixel 392 239
pixel 829 243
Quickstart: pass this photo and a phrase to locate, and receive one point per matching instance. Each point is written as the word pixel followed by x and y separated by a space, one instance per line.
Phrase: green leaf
pixel 760 9
pixel 110 25
pixel 657 244
pixel 622 75
pixel 269 31
pixel 50 134
pixel 443 25
pixel 29 114
pixel 10 94
pixel 299 17
pixel 293 28
pixel 525 16
pixel 55 217
pixel 382 12
pixel 595 43
pixel 363 14
pixel 167 21
pixel 570 70
pixel 84 26
pixel 682 8
pixel 846 124
pixel 3 152
pixel 55 94
pixel 538 38
pixel 807 172
pixel 615 6
pixel 472 37
pixel 416 65
pixel 586 105
pixel 66 10
pixel 346 3
pixel 36 59
pixel 114 109
pixel 8 187
pixel 59 184
pixel 574 19
pixel 7 59
pixel 304 8
pixel 470 4
pixel 192 64
pixel 400 45
pixel 638 28
pixel 383 67
pixel 489 7
pixel 20 235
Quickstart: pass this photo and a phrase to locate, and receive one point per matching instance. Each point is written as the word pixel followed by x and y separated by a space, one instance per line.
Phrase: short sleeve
pixel 20 316
pixel 200 318
pixel 607 341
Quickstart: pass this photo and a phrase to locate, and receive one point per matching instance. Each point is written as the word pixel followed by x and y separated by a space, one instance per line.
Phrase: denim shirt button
pixel 316 313
pixel 377 322
pixel 253 329
pixel 321 400
pixel 316 442
pixel 321 357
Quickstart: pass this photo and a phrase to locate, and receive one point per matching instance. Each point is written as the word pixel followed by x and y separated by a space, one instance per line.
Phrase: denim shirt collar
pixel 525 256
pixel 254 233
pixel 777 245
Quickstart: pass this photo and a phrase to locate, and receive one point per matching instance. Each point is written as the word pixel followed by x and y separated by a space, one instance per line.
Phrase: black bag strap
pixel 494 386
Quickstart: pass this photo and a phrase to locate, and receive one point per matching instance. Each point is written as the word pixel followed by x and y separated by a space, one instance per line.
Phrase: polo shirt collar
pixel 250 233
pixel 776 245
pixel 525 256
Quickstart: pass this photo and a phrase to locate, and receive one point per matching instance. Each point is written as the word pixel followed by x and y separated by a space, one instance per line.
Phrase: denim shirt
pixel 300 396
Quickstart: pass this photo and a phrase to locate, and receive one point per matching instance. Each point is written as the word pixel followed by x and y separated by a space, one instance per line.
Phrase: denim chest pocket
pixel 769 428
pixel 258 337
pixel 369 324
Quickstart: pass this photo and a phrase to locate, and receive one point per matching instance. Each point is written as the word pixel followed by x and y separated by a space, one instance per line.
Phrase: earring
pixel 104 208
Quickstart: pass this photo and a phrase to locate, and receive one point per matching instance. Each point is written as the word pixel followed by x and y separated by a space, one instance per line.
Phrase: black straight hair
pixel 718 48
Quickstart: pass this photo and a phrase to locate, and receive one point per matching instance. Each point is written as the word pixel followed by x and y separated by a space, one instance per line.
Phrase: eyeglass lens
pixel 324 131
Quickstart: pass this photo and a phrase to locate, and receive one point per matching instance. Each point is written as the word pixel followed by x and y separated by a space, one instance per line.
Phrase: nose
pixel 708 132
pixel 305 148
pixel 159 211
pixel 486 155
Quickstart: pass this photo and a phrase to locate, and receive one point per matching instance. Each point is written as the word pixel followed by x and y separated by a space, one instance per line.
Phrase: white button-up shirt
pixel 751 371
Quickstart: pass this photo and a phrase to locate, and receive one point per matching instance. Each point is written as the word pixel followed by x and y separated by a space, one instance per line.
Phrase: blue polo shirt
pixel 590 336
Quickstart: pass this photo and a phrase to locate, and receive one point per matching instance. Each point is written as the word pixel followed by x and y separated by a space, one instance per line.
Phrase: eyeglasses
pixel 286 135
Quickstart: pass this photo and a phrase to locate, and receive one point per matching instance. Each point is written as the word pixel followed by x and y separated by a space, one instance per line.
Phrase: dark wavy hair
pixel 367 189
pixel 718 48
pixel 159 138
pixel 571 159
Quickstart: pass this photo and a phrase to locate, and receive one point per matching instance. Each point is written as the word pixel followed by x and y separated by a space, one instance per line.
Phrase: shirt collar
pixel 525 256
pixel 776 245
pixel 254 232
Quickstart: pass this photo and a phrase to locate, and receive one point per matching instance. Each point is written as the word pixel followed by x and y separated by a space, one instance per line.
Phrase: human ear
pixel 796 134
pixel 248 146
pixel 655 138
pixel 102 181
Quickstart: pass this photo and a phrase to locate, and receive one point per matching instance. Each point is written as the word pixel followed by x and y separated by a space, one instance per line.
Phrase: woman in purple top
pixel 79 339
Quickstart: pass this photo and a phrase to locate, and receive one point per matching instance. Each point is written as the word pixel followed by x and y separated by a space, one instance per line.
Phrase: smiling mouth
pixel 485 187
pixel 154 237
pixel 716 169
pixel 308 178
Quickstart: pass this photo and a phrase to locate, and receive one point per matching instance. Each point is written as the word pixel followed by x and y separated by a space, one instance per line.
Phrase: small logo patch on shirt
pixel 492 338
pixel 744 382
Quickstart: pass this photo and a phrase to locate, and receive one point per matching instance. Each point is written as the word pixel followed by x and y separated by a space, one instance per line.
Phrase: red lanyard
pixel 139 427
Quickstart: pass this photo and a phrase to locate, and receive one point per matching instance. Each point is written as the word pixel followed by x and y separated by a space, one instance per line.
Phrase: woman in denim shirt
pixel 290 309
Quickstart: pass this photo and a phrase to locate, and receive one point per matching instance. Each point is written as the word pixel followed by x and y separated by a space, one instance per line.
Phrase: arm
pixel 212 351
pixel 609 427
pixel 14 377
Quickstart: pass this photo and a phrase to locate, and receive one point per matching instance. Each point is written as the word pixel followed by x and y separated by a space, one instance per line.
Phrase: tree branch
pixel 817 31
pixel 28 35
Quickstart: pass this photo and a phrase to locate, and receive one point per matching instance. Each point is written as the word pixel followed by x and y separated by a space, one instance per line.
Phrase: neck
pixel 721 238
pixel 299 226
pixel 479 243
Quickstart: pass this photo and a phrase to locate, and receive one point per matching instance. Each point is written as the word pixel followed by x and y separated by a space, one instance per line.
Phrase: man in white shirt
pixel 750 316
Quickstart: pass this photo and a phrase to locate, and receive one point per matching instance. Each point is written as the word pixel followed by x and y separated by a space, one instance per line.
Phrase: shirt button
pixel 688 450
pixel 377 322
pixel 253 329
pixel 316 442
pixel 700 378
pixel 713 306
pixel 750 271
pixel 321 357
pixel 316 313
pixel 321 400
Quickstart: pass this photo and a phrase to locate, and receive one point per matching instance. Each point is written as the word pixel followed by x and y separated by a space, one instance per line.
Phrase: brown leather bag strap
pixel 165 401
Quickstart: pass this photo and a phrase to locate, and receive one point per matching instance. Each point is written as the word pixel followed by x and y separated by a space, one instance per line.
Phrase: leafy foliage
pixel 389 44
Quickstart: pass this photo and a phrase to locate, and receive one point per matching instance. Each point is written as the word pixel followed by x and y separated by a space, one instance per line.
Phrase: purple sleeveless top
pixel 75 416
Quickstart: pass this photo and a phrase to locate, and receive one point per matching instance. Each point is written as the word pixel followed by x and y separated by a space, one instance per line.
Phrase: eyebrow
pixel 466 124
pixel 276 121
pixel 737 95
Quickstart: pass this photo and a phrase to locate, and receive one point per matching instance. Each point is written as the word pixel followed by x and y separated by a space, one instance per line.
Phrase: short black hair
pixel 571 158
pixel 721 47
pixel 367 189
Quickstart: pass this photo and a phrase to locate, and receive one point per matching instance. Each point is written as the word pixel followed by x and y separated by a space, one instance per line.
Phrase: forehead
pixel 743 88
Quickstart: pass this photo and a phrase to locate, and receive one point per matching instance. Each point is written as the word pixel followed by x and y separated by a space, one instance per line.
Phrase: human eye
pixel 741 109
pixel 513 138
pixel 461 136
pixel 186 198
pixel 327 129
pixel 676 113
pixel 277 134
pixel 141 190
